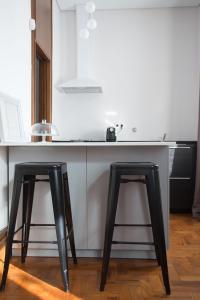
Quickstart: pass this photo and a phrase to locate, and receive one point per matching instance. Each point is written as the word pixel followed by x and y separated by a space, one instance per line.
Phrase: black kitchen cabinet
pixel 182 176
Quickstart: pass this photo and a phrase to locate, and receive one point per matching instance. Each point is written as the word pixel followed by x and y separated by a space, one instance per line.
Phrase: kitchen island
pixel 88 169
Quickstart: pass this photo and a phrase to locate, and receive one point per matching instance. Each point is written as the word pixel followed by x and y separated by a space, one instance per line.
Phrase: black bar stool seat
pixel 135 165
pixel 118 173
pixel 41 167
pixel 25 175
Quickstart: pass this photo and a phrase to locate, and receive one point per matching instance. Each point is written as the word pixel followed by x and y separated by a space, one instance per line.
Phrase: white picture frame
pixel 11 125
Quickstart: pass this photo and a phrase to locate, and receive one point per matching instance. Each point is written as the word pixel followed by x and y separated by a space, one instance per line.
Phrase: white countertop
pixel 87 144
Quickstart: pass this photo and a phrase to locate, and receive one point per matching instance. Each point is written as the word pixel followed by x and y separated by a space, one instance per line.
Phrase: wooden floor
pixel 128 279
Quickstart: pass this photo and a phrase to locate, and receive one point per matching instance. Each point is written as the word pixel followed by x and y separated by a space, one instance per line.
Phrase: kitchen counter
pixel 88 144
pixel 88 168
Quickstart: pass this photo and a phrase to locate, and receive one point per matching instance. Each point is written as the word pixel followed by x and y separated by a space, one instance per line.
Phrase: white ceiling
pixel 125 4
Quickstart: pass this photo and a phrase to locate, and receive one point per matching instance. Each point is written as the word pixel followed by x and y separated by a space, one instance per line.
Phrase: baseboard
pixel 3 234
pixel 89 253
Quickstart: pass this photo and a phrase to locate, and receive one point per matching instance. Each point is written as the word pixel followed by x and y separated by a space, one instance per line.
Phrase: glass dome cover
pixel 44 129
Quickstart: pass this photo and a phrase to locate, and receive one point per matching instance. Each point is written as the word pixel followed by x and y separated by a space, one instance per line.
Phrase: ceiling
pixel 125 4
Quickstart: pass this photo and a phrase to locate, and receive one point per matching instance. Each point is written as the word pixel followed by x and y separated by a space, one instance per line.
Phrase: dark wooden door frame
pixel 45 87
pixel 33 63
pixel 46 73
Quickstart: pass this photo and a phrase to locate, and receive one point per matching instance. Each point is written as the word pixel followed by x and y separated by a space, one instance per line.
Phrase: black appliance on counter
pixel 111 134
pixel 182 176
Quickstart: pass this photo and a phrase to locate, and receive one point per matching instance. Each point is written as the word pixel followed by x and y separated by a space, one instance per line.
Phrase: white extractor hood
pixel 82 83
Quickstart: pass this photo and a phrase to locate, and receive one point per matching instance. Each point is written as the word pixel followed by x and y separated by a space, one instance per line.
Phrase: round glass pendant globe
pixel 84 33
pixel 90 7
pixel 92 24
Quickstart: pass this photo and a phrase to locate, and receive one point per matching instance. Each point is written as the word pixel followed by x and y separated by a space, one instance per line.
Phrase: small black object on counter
pixel 111 134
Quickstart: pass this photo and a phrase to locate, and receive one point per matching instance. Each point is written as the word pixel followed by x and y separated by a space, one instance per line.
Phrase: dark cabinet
pixel 182 176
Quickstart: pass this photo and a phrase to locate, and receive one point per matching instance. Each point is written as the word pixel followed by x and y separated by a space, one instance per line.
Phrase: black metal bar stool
pixel 25 174
pixel 151 180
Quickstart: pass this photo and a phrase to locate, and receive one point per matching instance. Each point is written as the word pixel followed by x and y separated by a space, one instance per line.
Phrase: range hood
pixel 82 83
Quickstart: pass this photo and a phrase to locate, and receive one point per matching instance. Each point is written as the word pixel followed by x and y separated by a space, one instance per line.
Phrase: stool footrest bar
pixel 133 225
pixel 34 242
pixel 126 180
pixel 35 225
pixel 45 225
pixel 132 243
pixel 35 180
pixel 40 242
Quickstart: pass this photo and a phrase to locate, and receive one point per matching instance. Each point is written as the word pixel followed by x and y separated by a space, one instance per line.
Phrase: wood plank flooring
pixel 129 279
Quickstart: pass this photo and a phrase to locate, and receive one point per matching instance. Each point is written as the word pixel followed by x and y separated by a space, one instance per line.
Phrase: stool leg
pixel 11 227
pixel 114 185
pixel 28 194
pixel 156 209
pixel 69 220
pixel 24 207
pixel 153 223
pixel 56 183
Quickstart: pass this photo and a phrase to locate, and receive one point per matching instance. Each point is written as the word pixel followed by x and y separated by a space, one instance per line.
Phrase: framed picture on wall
pixel 11 125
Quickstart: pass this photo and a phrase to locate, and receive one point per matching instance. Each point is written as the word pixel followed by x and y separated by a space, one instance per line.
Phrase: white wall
pixel 56 68
pixel 147 63
pixel 199 33
pixel 15 54
pixel 15 72
pixel 199 43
